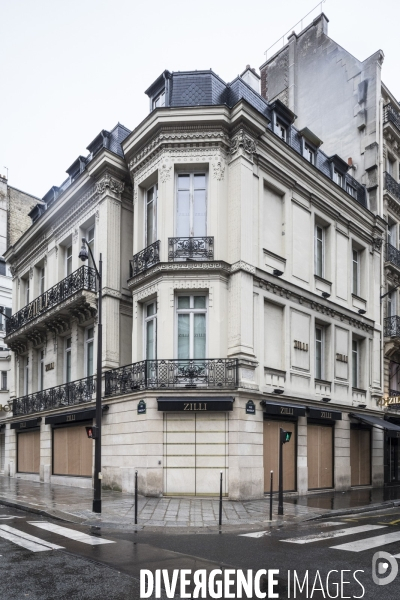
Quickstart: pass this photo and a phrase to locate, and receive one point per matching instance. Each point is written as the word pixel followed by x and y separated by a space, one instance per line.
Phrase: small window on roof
pixel 338 177
pixel 351 190
pixel 281 130
pixel 159 100
pixel 309 154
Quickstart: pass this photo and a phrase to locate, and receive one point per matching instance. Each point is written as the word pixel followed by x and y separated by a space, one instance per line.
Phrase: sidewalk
pixel 75 504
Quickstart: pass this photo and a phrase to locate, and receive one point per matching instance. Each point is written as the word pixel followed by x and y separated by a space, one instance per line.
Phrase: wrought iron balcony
pixel 60 396
pixel 391 115
pixel 392 326
pixel 83 278
pixel 393 393
pixel 392 186
pixel 145 259
pixel 208 373
pixel 191 248
pixel 393 255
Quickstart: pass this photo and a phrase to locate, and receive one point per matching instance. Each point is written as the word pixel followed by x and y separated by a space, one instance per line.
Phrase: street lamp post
pixel 83 255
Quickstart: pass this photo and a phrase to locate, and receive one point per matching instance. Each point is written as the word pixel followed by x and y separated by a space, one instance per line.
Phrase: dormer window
pixel 281 130
pixel 338 177
pixel 159 100
pixel 309 154
pixel 351 190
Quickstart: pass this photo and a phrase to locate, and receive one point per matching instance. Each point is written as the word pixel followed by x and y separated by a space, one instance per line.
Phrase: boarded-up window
pixel 72 452
pixel 273 336
pixel 320 456
pixel 360 456
pixel 271 455
pixel 28 452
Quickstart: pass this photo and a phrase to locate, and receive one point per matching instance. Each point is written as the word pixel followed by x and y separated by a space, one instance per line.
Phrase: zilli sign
pixel 6 408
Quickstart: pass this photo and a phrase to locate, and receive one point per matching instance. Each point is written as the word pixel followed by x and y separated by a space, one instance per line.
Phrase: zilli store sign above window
pixel 5 408
pixel 393 401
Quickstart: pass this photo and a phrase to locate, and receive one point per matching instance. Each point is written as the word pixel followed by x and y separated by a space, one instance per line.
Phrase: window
pixel 319 347
pixel 68 345
pixel 390 165
pixel 281 130
pixel 68 260
pixel 191 205
pixel 27 287
pixel 394 377
pixel 338 177
pixel 89 342
pixel 4 380
pixel 191 313
pixel 391 235
pixel 42 285
pixel 319 250
pixel 159 100
pixel 351 190
pixel 2 266
pixel 41 370
pixel 391 304
pixel 150 323
pixel 26 375
pixel 90 241
pixel 151 215
pixel 356 272
pixel 355 364
pixel 309 154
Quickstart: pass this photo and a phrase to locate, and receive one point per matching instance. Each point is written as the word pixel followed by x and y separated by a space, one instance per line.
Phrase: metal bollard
pixel 270 495
pixel 136 501
pixel 220 499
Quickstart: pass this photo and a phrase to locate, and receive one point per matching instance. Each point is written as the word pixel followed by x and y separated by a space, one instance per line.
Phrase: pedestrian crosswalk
pixel 72 534
pixel 309 539
pixel 25 540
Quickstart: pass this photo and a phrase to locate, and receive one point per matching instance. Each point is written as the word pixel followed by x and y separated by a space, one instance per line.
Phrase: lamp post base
pixel 96 506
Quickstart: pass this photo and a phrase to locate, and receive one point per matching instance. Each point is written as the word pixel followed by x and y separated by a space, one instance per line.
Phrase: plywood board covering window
pixel 72 452
pixel 271 455
pixel 29 452
pixel 320 456
pixel 360 456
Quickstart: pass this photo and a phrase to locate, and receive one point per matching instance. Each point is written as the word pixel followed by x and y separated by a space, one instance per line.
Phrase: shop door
pixel 360 456
pixel 394 462
pixel 271 455
pixel 2 451
pixel 72 452
pixel 320 456
pixel 195 452
pixel 28 452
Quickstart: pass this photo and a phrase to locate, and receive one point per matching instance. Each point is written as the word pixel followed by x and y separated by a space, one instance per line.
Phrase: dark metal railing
pixel 393 393
pixel 392 115
pixel 208 373
pixel 392 186
pixel 83 278
pixel 192 248
pixel 145 259
pixel 67 394
pixel 392 326
pixel 393 255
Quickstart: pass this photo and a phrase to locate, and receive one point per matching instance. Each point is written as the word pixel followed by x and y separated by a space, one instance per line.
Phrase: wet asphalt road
pixel 110 571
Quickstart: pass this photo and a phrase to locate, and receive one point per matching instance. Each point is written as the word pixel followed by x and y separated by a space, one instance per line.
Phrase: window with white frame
pixel 4 380
pixel 355 364
pixel 159 100
pixel 26 375
pixel 281 130
pixel 351 190
pixel 309 154
pixel 68 260
pixel 355 272
pixel 391 304
pixel 390 166
pixel 391 234
pixel 42 285
pixel 41 371
pixel 191 218
pixel 150 333
pixel 90 242
pixel 68 359
pixel 338 177
pixel 151 215
pixel 89 349
pixel 394 378
pixel 319 237
pixel 27 289
pixel 319 352
pixel 191 325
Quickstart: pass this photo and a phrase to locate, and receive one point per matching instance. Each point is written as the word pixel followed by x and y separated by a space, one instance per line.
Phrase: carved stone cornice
pixel 108 183
pixel 243 141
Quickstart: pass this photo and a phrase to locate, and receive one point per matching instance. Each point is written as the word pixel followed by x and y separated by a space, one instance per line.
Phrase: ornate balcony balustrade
pixel 393 255
pixel 192 248
pixel 83 278
pixel 393 393
pixel 60 396
pixel 392 326
pixel 145 259
pixel 392 186
pixel 391 115
pixel 208 373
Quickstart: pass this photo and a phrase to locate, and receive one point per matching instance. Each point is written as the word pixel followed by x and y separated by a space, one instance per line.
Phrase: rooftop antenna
pixel 282 39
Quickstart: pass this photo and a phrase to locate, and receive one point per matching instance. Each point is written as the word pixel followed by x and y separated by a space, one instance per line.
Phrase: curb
pixel 39 511
pixel 356 510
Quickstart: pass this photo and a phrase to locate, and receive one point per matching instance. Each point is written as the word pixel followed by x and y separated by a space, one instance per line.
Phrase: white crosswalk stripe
pixel 71 533
pixel 325 535
pixel 371 542
pixel 25 540
pixel 256 534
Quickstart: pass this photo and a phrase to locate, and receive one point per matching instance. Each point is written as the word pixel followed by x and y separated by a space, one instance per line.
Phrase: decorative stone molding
pixel 242 266
pixel 108 182
pixel 241 140
pixel 148 291
pixel 75 235
pixel 377 243
pixel 218 168
pixel 164 172
pixel 31 273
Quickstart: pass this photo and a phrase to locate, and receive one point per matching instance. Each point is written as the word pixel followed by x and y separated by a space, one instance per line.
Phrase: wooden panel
pixel 313 456
pixel 320 456
pixel 271 455
pixel 29 452
pixel 72 451
pixel 360 456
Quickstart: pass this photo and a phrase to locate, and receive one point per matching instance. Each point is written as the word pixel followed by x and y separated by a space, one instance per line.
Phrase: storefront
pixel 320 447
pixel 28 445
pixel 360 455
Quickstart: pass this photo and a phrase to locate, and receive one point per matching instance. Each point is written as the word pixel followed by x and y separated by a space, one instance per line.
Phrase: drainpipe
pixel 380 192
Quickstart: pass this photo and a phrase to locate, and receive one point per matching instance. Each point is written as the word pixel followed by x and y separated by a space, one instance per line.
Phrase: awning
pixel 324 413
pixel 282 409
pixel 392 429
pixel 193 404
pixel 71 417
pixel 26 424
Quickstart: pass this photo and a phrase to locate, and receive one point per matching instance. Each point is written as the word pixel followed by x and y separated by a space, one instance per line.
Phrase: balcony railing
pixel 191 248
pixel 145 259
pixel 60 396
pixel 83 278
pixel 393 255
pixel 393 393
pixel 392 326
pixel 392 186
pixel 391 115
pixel 208 373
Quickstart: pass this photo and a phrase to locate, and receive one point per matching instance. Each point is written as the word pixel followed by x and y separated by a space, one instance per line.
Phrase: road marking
pixel 256 534
pixel 4 518
pixel 326 535
pixel 25 540
pixel 372 542
pixel 71 533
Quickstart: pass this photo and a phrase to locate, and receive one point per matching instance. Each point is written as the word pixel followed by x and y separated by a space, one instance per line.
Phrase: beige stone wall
pixel 19 206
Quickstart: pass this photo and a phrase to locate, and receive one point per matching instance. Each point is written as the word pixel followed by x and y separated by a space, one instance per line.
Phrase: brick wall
pixel 19 206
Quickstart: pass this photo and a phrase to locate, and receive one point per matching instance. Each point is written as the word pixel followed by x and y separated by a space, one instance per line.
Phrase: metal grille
pixel 192 248
pixel 393 255
pixel 145 259
pixel 67 394
pixel 392 186
pixel 83 278
pixel 210 373
pixel 390 114
pixel 392 326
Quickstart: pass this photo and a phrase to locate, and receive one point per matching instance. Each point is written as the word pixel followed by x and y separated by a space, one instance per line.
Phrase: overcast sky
pixel 70 68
